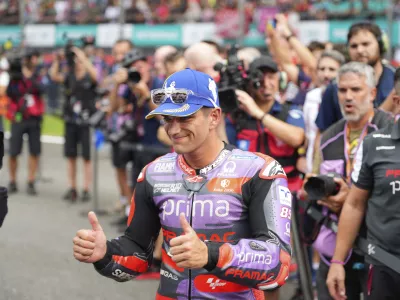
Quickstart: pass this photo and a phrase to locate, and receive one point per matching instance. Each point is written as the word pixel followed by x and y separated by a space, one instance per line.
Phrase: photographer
pixel 269 127
pixel 25 111
pixel 374 193
pixel 136 74
pixel 80 83
pixel 338 145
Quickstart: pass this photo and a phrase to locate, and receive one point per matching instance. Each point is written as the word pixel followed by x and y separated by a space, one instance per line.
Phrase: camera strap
pixel 361 243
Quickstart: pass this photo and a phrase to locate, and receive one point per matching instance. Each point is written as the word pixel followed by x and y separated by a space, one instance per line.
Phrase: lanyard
pixel 350 163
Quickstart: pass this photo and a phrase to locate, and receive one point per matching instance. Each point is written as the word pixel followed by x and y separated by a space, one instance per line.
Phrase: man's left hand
pixel 141 90
pixel 187 250
pixel 335 203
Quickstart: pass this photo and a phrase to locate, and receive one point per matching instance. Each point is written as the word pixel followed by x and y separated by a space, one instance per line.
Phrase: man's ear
pixel 396 104
pixel 373 94
pixel 215 117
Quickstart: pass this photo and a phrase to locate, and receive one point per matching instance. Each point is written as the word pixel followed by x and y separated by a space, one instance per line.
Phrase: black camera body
pixel 233 76
pixel 131 57
pixel 321 186
pixel 77 42
pixel 128 128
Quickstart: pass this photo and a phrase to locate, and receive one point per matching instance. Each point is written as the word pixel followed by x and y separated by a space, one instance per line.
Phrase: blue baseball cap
pixel 204 88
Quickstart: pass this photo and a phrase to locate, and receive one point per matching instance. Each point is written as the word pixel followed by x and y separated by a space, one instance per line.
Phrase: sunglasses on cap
pixel 177 96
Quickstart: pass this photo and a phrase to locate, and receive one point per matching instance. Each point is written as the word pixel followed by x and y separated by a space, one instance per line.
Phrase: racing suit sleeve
pixel 130 255
pixel 263 260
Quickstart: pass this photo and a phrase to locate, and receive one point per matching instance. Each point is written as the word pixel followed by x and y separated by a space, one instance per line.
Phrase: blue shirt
pixel 295 118
pixel 329 111
pixel 150 127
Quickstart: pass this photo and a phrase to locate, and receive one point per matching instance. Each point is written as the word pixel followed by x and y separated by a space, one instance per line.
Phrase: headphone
pixel 381 37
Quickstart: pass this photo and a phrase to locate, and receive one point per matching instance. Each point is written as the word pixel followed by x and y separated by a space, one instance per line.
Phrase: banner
pixel 40 35
pixel 194 32
pixel 313 31
pixel 11 34
pixel 108 34
pixel 179 35
pixel 157 35
pixel 65 32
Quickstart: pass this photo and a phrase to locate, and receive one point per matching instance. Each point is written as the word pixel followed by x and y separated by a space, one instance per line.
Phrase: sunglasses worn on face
pixel 177 96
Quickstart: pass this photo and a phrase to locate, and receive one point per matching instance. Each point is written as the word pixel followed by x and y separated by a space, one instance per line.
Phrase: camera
pixel 15 69
pixel 233 76
pixel 131 57
pixel 128 128
pixel 77 42
pixel 321 186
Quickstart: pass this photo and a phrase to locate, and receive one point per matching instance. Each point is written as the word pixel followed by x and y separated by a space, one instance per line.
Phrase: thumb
pixel 94 222
pixel 184 224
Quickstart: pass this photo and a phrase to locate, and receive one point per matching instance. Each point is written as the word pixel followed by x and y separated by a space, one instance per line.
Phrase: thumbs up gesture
pixel 90 245
pixel 187 250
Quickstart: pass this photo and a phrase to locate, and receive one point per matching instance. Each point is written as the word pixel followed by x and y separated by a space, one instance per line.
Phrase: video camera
pixel 233 76
pixel 131 57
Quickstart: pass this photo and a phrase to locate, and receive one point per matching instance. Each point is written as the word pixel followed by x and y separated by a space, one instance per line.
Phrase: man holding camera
pixel 270 127
pixel 80 88
pixel 25 111
pixel 339 143
pixel 374 193
pixel 136 74
pixel 3 190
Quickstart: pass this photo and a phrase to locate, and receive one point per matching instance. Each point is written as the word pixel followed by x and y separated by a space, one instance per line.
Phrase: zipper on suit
pixel 191 199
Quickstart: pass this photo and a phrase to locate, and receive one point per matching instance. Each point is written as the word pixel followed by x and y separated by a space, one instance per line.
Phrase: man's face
pixel 120 50
pixel 171 68
pixel 143 67
pixel 189 133
pixel 355 96
pixel 89 50
pixel 363 47
pixel 269 86
pixel 327 70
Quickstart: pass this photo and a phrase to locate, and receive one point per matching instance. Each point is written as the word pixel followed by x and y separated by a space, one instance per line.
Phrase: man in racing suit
pixel 225 213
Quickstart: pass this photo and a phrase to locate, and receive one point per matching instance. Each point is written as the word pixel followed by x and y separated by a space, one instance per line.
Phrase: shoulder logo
pixel 272 170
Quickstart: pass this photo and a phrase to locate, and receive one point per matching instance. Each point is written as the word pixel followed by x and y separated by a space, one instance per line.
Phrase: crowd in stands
pixel 173 11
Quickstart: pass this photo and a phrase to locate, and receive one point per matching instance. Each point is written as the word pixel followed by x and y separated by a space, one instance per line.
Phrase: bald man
pixel 202 57
pixel 159 56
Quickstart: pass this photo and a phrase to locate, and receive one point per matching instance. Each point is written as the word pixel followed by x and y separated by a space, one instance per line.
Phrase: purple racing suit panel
pixel 263 260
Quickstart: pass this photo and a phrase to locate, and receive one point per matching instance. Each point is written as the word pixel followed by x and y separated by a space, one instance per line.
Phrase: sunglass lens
pixel 158 98
pixel 179 98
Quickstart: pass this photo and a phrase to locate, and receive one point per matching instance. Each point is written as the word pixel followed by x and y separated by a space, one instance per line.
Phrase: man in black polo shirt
pixel 375 192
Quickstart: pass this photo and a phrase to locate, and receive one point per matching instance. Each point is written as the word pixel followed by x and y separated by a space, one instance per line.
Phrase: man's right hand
pixel 121 76
pixel 90 245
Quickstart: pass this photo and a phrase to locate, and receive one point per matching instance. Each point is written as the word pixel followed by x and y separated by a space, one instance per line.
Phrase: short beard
pixel 364 109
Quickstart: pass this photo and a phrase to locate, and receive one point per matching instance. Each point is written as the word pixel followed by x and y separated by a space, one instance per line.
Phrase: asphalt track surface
pixel 36 261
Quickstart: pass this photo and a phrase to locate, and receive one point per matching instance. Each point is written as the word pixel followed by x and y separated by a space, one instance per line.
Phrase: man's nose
pixel 174 126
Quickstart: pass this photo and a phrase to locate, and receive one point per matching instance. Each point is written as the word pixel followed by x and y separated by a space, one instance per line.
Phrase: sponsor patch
pixel 167 187
pixel 285 196
pixel 257 247
pixel 242 157
pixel 164 167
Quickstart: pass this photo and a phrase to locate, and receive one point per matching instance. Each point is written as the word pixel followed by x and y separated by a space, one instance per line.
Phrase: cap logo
pixel 213 88
pixel 177 110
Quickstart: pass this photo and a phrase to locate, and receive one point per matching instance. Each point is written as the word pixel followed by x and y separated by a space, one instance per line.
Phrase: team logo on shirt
pixel 272 170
